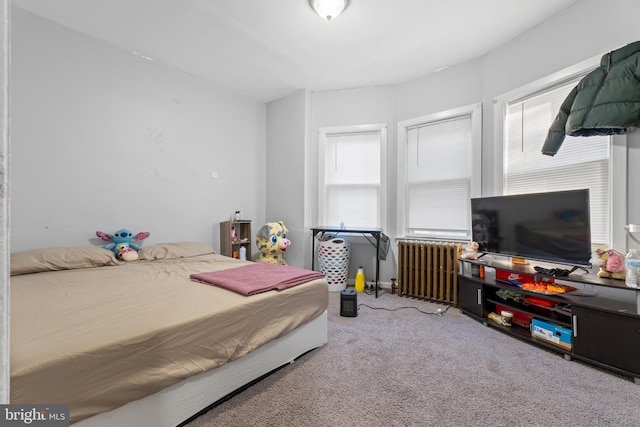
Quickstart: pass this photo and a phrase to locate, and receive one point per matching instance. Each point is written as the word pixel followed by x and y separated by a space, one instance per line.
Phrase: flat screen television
pixel 553 227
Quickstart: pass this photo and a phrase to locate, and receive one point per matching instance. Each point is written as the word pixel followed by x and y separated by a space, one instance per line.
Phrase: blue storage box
pixel 551 333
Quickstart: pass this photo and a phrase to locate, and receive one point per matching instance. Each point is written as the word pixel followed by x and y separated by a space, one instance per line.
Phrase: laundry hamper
pixel 333 257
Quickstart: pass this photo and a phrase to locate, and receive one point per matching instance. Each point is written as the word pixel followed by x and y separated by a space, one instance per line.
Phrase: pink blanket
pixel 258 277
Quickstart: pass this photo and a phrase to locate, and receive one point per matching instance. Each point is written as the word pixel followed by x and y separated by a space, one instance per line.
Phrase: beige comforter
pixel 97 338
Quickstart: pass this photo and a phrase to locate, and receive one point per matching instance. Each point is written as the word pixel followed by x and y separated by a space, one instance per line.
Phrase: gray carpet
pixel 406 368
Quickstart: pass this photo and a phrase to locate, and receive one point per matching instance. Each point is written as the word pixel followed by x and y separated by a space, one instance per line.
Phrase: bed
pixel 141 343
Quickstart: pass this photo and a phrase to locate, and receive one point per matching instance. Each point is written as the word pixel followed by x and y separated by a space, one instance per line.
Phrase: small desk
pixel 376 233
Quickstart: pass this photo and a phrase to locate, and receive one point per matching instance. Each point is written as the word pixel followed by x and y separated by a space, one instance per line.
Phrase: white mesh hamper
pixel 333 256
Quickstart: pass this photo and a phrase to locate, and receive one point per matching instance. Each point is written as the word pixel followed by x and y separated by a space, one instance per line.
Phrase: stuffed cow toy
pixel 272 242
pixel 610 263
pixel 126 252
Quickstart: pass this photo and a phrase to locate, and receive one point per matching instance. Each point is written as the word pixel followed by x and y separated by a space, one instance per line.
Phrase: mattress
pixel 97 338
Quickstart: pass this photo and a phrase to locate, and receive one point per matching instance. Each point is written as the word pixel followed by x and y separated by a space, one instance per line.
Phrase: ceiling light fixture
pixel 329 9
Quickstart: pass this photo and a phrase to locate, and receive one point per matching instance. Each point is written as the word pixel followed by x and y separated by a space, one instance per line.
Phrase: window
pixel 438 172
pixel 352 182
pixel 581 162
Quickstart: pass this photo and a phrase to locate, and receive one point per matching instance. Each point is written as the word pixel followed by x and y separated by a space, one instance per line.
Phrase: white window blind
pixel 581 162
pixel 351 179
pixel 439 169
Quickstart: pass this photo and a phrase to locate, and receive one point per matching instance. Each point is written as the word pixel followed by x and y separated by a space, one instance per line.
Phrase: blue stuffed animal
pixel 121 237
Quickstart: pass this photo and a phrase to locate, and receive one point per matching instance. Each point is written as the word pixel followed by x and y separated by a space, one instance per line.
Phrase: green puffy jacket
pixel 605 102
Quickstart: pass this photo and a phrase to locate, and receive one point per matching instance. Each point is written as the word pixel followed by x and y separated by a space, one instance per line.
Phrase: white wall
pixel 351 107
pixel 633 187
pixel 587 29
pixel 103 139
pixel 5 370
pixel 445 90
pixel 285 169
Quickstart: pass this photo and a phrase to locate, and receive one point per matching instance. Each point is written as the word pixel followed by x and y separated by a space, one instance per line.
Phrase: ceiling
pixel 267 49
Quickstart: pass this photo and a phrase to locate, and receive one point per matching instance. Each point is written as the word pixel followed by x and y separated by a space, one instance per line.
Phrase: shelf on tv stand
pixel 621 298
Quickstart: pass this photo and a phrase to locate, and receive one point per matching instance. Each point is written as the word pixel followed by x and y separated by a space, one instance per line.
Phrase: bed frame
pixel 180 402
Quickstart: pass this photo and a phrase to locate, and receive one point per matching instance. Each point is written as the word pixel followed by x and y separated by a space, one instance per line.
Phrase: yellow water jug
pixel 360 280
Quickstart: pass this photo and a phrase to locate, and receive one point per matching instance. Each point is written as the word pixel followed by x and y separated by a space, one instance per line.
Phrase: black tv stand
pixel 604 326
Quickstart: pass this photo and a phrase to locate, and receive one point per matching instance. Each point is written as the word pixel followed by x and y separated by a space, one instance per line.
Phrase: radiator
pixel 429 270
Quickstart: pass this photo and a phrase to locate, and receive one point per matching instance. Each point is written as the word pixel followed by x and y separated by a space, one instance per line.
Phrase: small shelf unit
pixel 235 235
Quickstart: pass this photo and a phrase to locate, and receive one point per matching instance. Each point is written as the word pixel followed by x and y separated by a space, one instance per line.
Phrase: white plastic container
pixel 243 252
pixel 632 265
pixel 507 318
pixel 333 256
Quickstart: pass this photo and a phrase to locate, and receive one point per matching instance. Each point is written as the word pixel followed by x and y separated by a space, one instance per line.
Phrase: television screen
pixel 553 227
